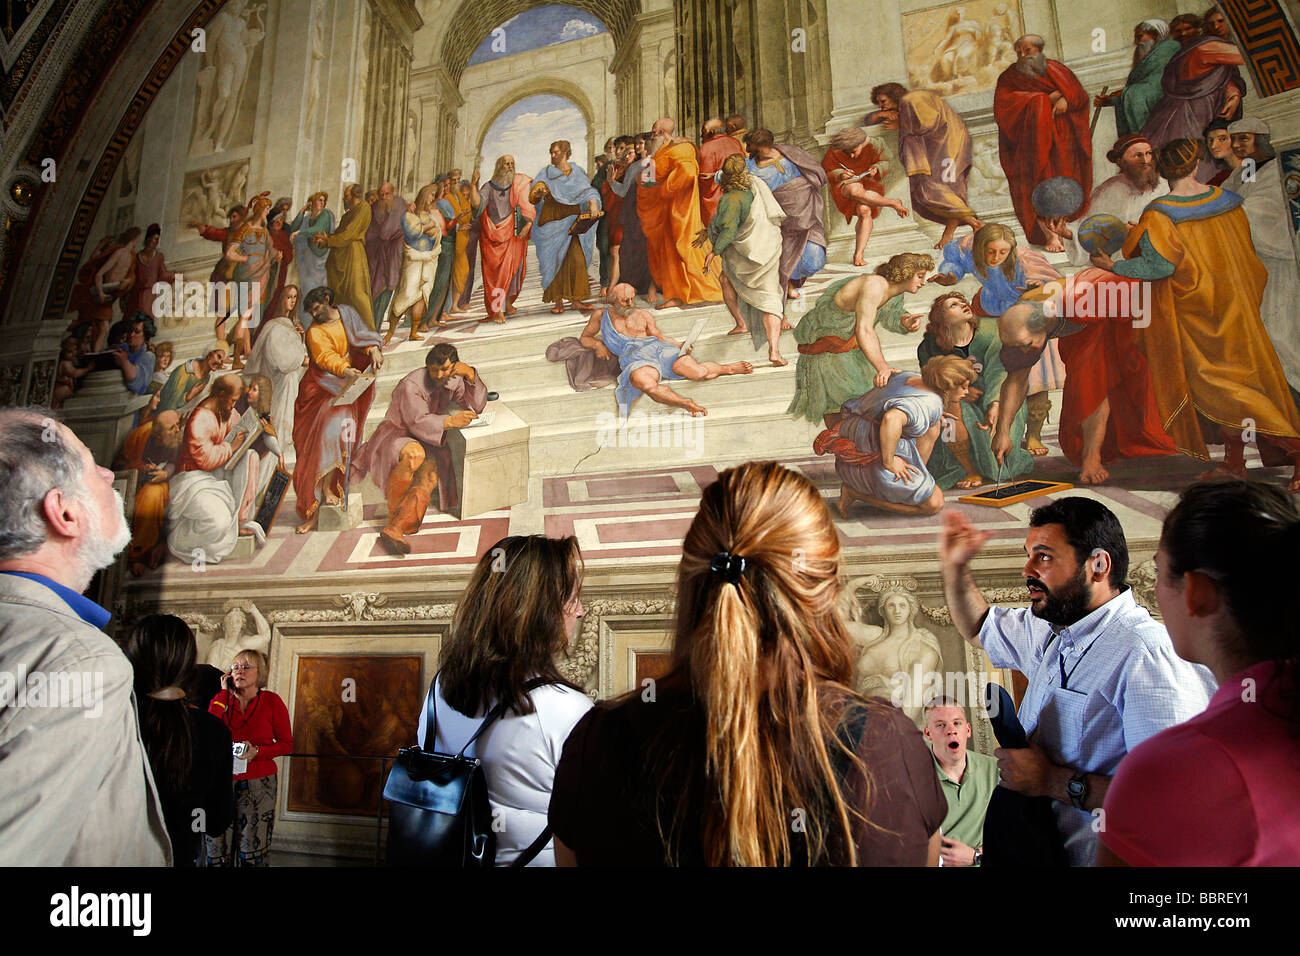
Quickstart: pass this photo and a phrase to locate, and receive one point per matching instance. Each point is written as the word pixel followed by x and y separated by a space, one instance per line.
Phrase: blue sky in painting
pixel 526 129
pixel 541 26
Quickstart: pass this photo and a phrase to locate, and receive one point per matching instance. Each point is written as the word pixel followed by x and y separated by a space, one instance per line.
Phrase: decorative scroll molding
pixel 1142 579
pixel 363 606
pixel 590 656
pixel 587 660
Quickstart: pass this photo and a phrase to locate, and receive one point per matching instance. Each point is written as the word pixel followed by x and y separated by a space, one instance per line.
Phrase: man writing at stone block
pixel 967 777
pixel 406 456
pixel 1103 676
pixel 73 791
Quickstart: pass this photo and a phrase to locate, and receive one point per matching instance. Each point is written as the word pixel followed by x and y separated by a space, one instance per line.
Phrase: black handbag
pixel 438 803
pixel 1019 831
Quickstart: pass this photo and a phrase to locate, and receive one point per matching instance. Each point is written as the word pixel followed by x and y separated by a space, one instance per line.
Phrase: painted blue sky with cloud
pixel 527 128
pixel 541 26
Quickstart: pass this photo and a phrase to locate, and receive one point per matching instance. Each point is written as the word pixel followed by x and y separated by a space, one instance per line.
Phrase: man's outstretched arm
pixel 958 543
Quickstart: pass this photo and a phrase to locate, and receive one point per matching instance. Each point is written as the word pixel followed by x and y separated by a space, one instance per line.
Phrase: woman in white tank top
pixel 518 613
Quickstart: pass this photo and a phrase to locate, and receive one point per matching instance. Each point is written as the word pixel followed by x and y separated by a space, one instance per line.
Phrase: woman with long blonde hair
pixel 753 750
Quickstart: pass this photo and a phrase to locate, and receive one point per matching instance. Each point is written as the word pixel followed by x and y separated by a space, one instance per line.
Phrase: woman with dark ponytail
pixel 753 750
pixel 189 749
pixel 1222 789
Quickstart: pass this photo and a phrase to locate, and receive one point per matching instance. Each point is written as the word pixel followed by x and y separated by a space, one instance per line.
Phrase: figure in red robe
pixel 855 167
pixel 1108 407
pixel 283 245
pixel 1042 115
pixel 504 226
pixel 715 147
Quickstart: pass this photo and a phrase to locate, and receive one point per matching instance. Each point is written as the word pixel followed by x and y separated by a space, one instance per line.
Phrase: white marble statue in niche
pixel 317 57
pixel 232 39
pixel 236 637
pixel 897 658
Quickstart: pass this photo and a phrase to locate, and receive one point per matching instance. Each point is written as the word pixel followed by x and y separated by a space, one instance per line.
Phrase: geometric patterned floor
pixel 644 514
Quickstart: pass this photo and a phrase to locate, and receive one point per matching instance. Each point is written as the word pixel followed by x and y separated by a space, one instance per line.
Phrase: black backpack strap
pixel 431 714
pixel 537 846
pixel 496 711
pixel 492 715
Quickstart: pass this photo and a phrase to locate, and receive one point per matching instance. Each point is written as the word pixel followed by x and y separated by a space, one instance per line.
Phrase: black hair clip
pixel 730 566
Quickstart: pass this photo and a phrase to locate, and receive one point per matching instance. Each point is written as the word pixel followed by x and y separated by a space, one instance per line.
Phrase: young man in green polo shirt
pixel 968 779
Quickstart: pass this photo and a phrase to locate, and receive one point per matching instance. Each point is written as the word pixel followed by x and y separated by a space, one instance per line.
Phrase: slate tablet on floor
pixel 1017 491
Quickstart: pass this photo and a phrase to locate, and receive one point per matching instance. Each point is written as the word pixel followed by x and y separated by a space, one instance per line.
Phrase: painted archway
pixel 475 19
pixel 554 86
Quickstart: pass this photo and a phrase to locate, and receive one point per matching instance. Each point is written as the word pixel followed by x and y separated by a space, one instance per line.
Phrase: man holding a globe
pixel 1122 197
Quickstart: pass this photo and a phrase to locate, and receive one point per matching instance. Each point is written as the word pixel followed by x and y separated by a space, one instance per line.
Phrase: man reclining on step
pixel 646 355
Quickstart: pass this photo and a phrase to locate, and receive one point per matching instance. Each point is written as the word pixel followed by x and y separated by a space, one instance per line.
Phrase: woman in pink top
pixel 1222 789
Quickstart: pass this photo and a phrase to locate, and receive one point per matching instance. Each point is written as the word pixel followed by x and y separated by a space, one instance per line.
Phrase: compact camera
pixel 240 749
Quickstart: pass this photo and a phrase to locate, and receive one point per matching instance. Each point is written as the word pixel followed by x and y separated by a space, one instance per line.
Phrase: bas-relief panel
pixel 987 180
pixel 41 389
pixel 11 379
pixel 206 194
pixel 961 47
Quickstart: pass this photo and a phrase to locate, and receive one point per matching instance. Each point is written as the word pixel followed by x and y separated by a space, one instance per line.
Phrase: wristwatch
pixel 979 856
pixel 1077 788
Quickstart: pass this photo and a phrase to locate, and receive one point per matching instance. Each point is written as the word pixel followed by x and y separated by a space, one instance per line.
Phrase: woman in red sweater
pixel 260 718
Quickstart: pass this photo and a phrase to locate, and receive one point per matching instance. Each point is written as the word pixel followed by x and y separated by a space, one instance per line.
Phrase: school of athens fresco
pixel 983 270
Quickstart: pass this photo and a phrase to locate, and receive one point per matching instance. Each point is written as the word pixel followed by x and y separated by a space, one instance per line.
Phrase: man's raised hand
pixel 958 539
